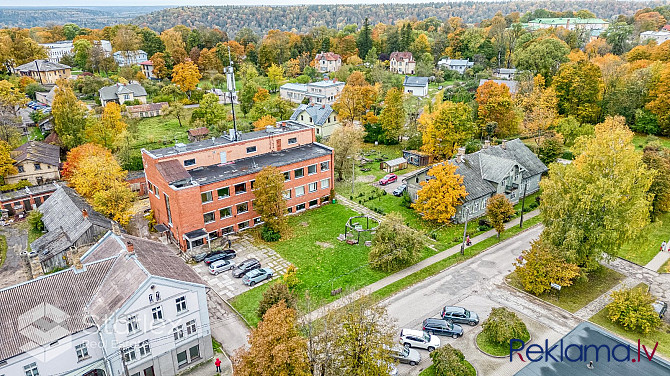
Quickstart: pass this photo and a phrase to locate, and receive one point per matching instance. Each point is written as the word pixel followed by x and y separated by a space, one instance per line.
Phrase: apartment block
pixel 205 189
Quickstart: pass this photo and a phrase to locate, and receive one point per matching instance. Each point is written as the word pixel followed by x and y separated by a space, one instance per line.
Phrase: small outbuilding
pixel 393 165
pixel 417 158
pixel 198 134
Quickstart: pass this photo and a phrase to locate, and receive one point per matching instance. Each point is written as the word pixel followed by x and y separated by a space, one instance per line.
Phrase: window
pixel 181 358
pixel 299 191
pixel 190 327
pixel 240 188
pixel 252 184
pixel 129 354
pixel 312 187
pixel 167 206
pixel 144 349
pixel 38 166
pixel 325 183
pixel 242 208
pixel 311 170
pixel 287 194
pixel 181 304
pixel 82 352
pixel 257 221
pixel 242 225
pixel 293 140
pixel 157 313
pixel 189 162
pixel 208 217
pixel 298 173
pixel 225 212
pixel 132 323
pixel 194 352
pixel 31 370
pixel 223 192
pixel 313 203
pixel 227 230
pixel 156 191
pixel 206 197
pixel 287 176
pixel 178 332
pixel 290 210
pixel 251 149
pixel 300 207
pixel 325 165
pixel 20 168
pixel 213 234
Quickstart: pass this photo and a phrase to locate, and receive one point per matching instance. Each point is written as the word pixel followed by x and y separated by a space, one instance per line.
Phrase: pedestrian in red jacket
pixel 217 363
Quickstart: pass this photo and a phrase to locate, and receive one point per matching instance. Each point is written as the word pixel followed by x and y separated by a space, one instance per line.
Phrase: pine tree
pixel 364 41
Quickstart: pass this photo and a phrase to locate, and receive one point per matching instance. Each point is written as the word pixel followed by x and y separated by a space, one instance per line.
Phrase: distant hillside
pixel 91 17
pixel 303 17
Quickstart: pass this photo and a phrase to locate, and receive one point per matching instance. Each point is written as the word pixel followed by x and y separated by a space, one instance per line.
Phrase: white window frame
pixel 230 211
pixel 327 183
pixel 253 149
pixel 304 204
pixel 299 169
pixel 213 216
pixel 32 368
pixel 180 303
pixel 82 351
pixel 294 140
pixel 240 203
pixel 315 169
pixel 207 193
pixel 157 313
pixel 191 327
pixel 222 197
pixel 302 187
pixel 178 333
pixel 144 349
pixel 132 324
pixel 287 194
pixel 326 163
pixel 309 187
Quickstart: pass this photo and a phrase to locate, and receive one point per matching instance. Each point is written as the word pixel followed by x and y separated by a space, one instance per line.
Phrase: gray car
pixel 257 275
pixel 405 355
pixel 459 315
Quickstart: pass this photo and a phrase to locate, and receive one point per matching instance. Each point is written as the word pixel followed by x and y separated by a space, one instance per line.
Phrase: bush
pixel 632 309
pixel 539 267
pixel 273 295
pixel 483 228
pixel 394 246
pixel 35 220
pixel 269 234
pixel 502 325
pixel 568 155
pixel 448 361
pixel 290 278
pixel 406 200
pixel 15 186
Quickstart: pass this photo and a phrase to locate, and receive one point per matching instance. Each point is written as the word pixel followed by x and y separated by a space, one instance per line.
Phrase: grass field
pixel 3 249
pixel 648 244
pixel 582 292
pixel 430 371
pixel 639 140
pixel 495 349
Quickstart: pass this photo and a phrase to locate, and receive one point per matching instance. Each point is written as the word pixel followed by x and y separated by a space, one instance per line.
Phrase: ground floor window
pixel 227 230
pixel 213 234
pixel 313 203
pixel 300 207
pixel 325 199
pixel 194 352
pixel 242 225
pixel 257 221
pixel 181 358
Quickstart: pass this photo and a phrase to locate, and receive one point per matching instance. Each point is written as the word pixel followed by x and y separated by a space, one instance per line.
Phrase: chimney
pixel 503 144
pixel 487 144
pixel 84 213
pixel 460 154
pixel 130 248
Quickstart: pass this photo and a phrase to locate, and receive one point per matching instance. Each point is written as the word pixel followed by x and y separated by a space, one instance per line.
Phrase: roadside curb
pixel 231 307
pixel 538 300
pixel 530 340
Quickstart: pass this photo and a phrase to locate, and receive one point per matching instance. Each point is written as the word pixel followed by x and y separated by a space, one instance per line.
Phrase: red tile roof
pixel 401 56
pixel 202 131
pixel 328 56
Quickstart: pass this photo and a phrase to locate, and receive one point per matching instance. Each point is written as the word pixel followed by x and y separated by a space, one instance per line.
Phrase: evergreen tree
pixel 364 41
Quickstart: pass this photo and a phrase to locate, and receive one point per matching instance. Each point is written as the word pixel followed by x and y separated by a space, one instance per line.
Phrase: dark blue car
pixel 442 327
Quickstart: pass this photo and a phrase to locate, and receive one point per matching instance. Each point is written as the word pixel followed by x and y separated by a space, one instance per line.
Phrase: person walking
pixel 217 363
pixel 663 246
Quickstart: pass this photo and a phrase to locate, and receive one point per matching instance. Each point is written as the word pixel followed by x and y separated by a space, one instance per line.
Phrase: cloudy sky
pixel 57 3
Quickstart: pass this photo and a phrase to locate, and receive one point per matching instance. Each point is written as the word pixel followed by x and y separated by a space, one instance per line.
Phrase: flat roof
pixel 251 165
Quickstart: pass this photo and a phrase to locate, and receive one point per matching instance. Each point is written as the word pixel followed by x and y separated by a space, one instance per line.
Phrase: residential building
pixel 44 71
pixel 513 86
pixel 20 201
pixel 568 23
pixel 130 307
pixel 320 92
pixel 504 73
pixel 659 36
pixel 416 86
pixel 126 58
pixel 402 63
pixel 147 69
pixel 328 62
pixel 146 110
pixel 322 117
pixel 205 189
pixel 56 50
pixel 458 65
pixel 46 97
pixel 510 168
pixel 36 162
pixel 70 223
pixel 197 134
pixel 121 93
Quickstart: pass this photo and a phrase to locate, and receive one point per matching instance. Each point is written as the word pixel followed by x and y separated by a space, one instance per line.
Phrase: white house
pixel 417 86
pixel 569 23
pixel 504 73
pixel 121 93
pixel 130 300
pixel 658 36
pixel 322 117
pixel 147 69
pixel 402 63
pixel 458 65
pixel 328 62
pixel 125 58
pixel 320 92
pixel 56 50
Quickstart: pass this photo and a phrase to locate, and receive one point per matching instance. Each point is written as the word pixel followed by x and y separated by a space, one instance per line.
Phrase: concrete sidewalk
pixel 658 261
pixel 207 368
pixel 414 268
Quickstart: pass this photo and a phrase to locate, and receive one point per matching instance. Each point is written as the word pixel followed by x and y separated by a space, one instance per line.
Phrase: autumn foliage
pixel 438 198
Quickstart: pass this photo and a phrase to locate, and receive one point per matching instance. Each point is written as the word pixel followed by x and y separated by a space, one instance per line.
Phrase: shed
pixel 198 134
pixel 394 165
pixel 417 158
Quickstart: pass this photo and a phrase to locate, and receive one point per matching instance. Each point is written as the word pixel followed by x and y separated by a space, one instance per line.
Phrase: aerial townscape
pixel 440 189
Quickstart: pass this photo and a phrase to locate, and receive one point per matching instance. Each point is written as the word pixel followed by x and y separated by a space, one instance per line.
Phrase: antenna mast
pixel 230 80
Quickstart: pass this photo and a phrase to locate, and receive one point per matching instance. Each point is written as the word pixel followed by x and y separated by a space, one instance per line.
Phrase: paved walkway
pixel 414 268
pixel 600 302
pixel 207 368
pixel 658 261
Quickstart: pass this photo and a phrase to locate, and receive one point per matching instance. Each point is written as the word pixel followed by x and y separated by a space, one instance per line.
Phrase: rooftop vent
pixel 180 147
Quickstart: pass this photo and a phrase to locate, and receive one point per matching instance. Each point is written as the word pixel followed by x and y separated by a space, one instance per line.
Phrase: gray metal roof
pixel 318 113
pixel 396 162
pixel 415 81
pixel 28 191
pixel 112 92
pixel 294 87
pixel 494 168
pixel 37 152
pixel 512 85
pixel 41 65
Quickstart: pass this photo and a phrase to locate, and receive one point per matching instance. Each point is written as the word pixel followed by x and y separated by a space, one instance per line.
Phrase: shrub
pixel 632 309
pixel 35 220
pixel 274 294
pixel 483 228
pixel 15 186
pixel 502 325
pixel 449 361
pixel 568 155
pixel 406 200
pixel 394 246
pixel 290 278
pixel 542 268
pixel 269 234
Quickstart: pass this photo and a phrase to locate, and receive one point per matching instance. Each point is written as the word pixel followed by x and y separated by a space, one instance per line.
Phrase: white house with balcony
pixel 320 92
pixel 130 303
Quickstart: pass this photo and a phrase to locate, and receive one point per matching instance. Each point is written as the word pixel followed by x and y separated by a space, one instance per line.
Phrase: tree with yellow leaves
pixel 186 77
pixel 109 129
pixel 498 210
pixel 275 76
pixel 116 202
pixel 356 98
pixel 438 197
pixel 450 125
pixel 579 89
pixel 262 94
pixel 69 115
pixel 263 122
pixel 6 161
pixel 540 109
pixel 496 105
pixel 160 67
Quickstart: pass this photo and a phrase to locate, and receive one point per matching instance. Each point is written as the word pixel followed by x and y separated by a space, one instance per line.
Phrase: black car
pixel 442 327
pixel 245 266
pixel 210 257
pixel 460 315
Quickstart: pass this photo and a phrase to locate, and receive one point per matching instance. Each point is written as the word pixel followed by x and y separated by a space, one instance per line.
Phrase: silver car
pixel 405 355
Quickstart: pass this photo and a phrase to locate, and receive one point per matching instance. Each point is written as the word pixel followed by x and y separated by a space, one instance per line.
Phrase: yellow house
pixel 320 116
pixel 36 162
pixel 44 71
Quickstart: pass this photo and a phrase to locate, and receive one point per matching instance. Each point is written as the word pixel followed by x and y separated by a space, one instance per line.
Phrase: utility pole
pixel 523 203
pixel 465 232
pixel 230 80
pixel 353 174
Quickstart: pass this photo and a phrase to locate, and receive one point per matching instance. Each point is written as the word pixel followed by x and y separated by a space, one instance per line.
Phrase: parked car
pixel 405 355
pixel 257 275
pixel 246 266
pixel 221 266
pixel 419 339
pixel 660 307
pixel 400 190
pixel 225 254
pixel 460 315
pixel 388 179
pixel 442 327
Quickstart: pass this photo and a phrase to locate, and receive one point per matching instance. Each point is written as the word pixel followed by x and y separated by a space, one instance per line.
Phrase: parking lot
pixel 225 284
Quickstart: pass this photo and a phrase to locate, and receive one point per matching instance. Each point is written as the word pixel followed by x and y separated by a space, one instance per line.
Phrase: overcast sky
pixel 59 3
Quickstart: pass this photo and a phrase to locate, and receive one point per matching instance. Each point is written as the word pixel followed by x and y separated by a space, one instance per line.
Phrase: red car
pixel 388 179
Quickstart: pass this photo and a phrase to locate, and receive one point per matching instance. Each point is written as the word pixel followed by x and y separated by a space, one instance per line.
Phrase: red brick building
pixel 204 189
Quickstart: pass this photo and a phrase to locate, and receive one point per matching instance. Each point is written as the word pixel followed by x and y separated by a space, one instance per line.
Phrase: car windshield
pixel 467 313
pixel 405 351
pixel 426 337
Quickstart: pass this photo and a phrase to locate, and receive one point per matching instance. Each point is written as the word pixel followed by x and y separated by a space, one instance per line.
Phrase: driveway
pixel 389 188
pixel 478 284
pixel 14 270
pixel 225 284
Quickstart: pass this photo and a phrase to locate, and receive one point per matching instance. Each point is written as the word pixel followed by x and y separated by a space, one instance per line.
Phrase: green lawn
pixel 660 335
pixel 665 268
pixel 582 292
pixel 640 139
pixel 430 371
pixel 157 132
pixel 495 349
pixel 3 249
pixel 648 244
